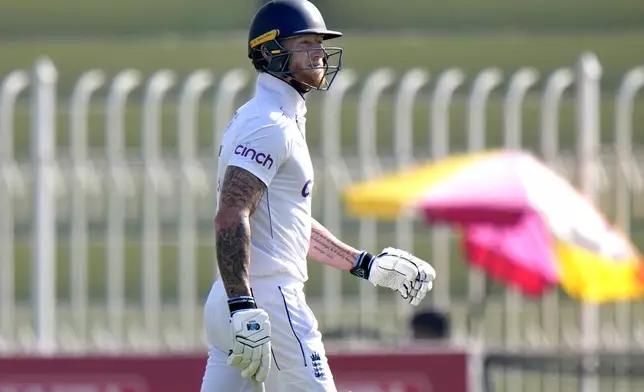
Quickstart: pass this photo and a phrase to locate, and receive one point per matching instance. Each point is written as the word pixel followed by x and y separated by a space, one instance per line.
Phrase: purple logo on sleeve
pixel 259 157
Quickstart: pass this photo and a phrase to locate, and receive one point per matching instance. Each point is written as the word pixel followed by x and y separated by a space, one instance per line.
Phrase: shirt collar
pixel 277 91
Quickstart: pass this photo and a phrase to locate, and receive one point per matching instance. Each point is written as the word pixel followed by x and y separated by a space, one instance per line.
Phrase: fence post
pixel 588 108
pixel 632 82
pixel 193 181
pixel 626 180
pixel 231 84
pixel 484 83
pixel 556 84
pixel 118 186
pixel 408 90
pixel 12 86
pixel 155 183
pixel 332 155
pixel 520 82
pixel 86 85
pixel 447 84
pixel 45 77
pixel 411 83
pixel 375 85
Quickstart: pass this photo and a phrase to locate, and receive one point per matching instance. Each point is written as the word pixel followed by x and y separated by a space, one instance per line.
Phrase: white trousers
pixel 299 359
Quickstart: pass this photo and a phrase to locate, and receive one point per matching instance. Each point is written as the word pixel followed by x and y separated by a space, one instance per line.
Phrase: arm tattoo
pixel 241 189
pixel 240 195
pixel 233 256
pixel 326 248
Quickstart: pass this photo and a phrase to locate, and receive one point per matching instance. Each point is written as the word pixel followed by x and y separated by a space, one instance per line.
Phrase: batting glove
pixel 251 333
pixel 398 270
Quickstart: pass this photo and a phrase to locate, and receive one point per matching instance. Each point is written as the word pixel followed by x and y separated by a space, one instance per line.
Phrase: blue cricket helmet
pixel 278 20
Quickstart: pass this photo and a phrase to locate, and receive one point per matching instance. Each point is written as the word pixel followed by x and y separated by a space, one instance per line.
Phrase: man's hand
pixel 398 270
pixel 251 334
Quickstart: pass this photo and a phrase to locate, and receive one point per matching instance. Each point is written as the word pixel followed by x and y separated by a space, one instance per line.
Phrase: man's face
pixel 307 63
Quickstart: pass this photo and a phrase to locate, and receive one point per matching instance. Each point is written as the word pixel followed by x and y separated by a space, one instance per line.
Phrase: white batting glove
pixel 251 334
pixel 398 270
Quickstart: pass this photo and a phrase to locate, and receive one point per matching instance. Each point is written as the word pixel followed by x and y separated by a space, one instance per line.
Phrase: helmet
pixel 281 19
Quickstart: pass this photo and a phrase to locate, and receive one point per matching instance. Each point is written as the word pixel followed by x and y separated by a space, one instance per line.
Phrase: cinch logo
pixel 306 190
pixel 251 153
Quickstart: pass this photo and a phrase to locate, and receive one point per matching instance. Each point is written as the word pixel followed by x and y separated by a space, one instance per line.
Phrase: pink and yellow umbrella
pixel 519 221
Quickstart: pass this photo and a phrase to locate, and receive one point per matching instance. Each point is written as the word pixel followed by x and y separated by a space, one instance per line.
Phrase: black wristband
pixel 241 303
pixel 363 266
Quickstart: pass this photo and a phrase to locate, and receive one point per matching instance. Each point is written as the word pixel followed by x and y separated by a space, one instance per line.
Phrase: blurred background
pixel 110 114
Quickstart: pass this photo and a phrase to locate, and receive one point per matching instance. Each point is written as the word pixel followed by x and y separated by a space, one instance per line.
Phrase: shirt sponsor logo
pixel 259 157
pixel 306 189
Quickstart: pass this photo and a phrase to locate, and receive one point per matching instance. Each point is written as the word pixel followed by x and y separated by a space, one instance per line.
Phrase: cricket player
pixel 256 316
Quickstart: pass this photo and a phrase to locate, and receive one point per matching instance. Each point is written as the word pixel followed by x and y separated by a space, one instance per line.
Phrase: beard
pixel 312 77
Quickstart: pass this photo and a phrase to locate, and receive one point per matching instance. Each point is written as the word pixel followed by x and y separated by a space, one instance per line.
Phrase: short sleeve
pixel 262 152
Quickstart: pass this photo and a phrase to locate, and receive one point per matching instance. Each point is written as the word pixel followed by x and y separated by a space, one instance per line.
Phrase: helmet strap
pixel 298 86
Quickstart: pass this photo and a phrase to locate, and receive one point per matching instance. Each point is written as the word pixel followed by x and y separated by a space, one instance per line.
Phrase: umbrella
pixel 519 221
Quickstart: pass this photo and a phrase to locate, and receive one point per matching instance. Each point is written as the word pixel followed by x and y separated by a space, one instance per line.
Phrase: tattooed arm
pixel 392 268
pixel 240 195
pixel 327 249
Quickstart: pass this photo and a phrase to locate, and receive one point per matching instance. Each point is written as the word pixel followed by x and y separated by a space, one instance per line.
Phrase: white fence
pixel 83 186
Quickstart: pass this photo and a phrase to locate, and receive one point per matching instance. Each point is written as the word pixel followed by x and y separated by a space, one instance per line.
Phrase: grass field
pixel 617 52
pixel 122 17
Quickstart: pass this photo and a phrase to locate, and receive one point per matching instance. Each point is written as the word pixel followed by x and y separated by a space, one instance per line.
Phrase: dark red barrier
pixel 372 372
pixel 400 371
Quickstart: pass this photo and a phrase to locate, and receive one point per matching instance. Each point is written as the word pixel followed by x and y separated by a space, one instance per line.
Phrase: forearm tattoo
pixel 240 195
pixel 325 245
pixel 233 258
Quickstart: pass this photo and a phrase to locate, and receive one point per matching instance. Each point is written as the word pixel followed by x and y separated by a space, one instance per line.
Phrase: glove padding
pixel 403 272
pixel 251 352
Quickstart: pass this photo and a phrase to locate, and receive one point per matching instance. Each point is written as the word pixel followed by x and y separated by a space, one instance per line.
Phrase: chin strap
pixel 299 87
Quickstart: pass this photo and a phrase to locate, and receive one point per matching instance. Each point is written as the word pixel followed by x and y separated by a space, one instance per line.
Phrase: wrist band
pixel 241 303
pixel 362 267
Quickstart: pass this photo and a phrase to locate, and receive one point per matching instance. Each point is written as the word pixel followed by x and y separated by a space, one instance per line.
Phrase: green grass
pixel 466 15
pixel 617 52
pixel 119 17
pixel 26 18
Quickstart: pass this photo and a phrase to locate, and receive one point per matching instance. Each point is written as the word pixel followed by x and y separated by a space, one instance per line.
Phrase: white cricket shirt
pixel 266 136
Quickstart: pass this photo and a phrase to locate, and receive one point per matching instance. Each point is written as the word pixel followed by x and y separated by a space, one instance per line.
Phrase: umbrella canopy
pixel 389 196
pixel 520 222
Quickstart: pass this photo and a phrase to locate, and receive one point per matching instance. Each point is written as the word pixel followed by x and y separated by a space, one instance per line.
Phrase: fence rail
pixel 126 234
